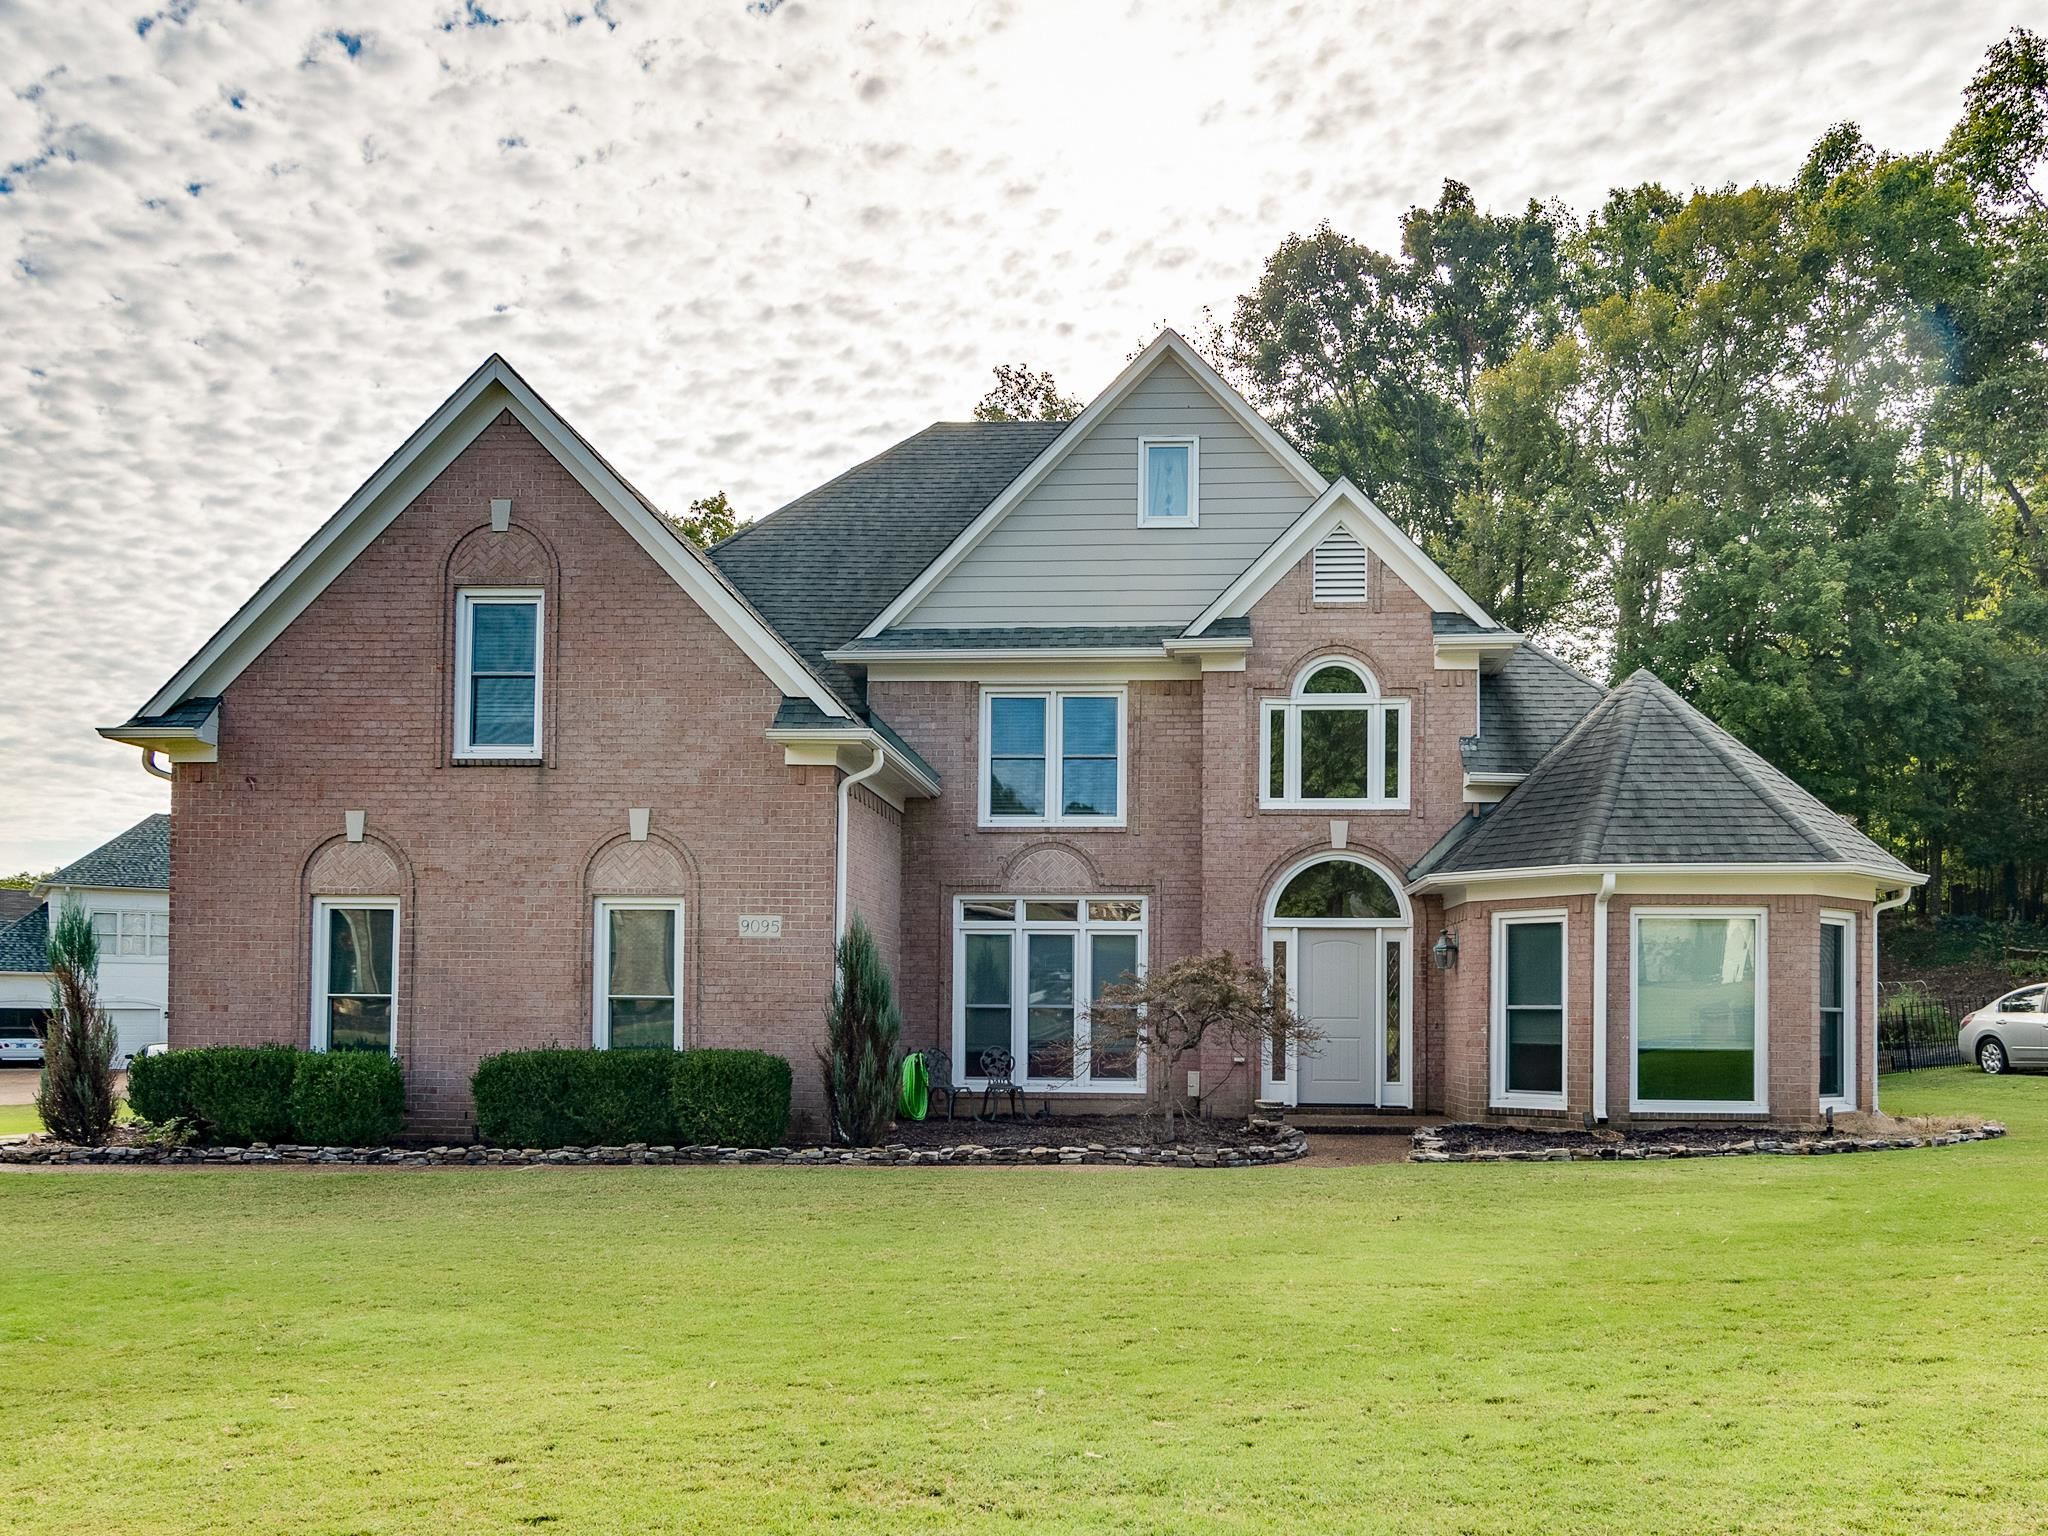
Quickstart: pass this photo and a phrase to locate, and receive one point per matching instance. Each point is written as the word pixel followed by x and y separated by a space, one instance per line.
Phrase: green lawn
pixel 1847 1344
pixel 19 1119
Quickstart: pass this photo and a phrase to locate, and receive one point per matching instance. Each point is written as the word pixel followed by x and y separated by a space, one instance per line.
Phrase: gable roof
pixel 494 389
pixel 25 943
pixel 139 859
pixel 16 902
pixel 1646 779
pixel 1168 344
pixel 1525 709
pixel 822 566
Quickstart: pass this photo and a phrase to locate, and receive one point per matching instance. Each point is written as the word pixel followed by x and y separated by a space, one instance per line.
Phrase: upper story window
pixel 1168 489
pixel 132 935
pixel 497 672
pixel 1334 743
pixel 1052 757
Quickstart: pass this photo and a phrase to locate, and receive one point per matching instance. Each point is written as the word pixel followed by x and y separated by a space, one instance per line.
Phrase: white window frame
pixel 1760 1086
pixel 601 961
pixel 1172 440
pixel 1851 1064
pixel 1503 1097
pixel 1055 720
pixel 1284 714
pixel 322 905
pixel 467 600
pixel 124 920
pixel 1017 926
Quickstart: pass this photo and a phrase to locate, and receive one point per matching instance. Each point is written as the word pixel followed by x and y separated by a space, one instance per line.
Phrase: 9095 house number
pixel 760 925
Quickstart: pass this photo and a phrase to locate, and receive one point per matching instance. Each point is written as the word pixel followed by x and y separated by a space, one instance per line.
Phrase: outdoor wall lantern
pixel 1445 950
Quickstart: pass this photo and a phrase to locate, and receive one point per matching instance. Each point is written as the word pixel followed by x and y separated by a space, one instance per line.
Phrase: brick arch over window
pixel 1051 866
pixel 657 865
pixel 1335 648
pixel 514 557
pixel 376 866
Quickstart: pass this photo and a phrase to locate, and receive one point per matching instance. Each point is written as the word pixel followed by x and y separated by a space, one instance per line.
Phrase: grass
pixel 1844 1344
pixel 19 1120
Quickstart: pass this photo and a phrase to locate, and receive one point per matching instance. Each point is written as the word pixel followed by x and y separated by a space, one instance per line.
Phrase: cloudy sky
pixel 740 245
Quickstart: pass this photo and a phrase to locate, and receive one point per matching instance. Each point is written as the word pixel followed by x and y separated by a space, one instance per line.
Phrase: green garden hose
pixel 917 1084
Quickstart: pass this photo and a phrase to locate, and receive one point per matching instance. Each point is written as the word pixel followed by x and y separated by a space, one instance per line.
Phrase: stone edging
pixel 1287 1144
pixel 1429 1147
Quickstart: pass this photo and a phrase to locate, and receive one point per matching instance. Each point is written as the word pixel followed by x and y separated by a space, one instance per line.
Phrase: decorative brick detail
pixel 1049 868
pixel 342 868
pixel 627 868
pixel 515 558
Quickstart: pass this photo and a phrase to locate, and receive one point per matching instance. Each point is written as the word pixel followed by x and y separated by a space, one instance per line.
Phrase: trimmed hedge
pixel 731 1098
pixel 563 1097
pixel 238 1094
pixel 347 1098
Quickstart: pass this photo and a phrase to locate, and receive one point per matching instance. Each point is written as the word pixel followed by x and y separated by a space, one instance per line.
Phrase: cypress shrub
pixel 862 1028
pixel 731 1098
pixel 75 1096
pixel 346 1098
pixel 557 1097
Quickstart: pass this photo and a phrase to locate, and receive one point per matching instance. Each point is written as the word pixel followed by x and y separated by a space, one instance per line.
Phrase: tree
pixel 861 1057
pixel 709 519
pixel 1213 1000
pixel 27 880
pixel 76 1095
pixel 1022 395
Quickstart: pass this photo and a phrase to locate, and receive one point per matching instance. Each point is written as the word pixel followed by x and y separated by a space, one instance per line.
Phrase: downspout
pixel 839 872
pixel 1877 908
pixel 149 763
pixel 1600 996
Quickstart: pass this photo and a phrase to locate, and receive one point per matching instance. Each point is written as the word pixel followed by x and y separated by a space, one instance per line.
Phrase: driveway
pixel 18 1083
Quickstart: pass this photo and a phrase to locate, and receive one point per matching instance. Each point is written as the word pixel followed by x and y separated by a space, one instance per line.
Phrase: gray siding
pixel 1072 551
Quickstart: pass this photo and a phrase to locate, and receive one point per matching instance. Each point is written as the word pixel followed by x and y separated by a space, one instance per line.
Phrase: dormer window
pixel 1168 493
pixel 497 673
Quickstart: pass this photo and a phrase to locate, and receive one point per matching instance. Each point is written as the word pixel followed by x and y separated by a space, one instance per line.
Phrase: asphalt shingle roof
pixel 1645 778
pixel 139 859
pixel 1525 709
pixel 821 567
pixel 25 943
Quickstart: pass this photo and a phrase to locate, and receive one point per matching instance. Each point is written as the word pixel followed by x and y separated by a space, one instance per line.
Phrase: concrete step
pixel 1361 1122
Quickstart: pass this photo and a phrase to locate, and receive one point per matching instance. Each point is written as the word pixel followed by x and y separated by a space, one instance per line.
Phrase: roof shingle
pixel 139 859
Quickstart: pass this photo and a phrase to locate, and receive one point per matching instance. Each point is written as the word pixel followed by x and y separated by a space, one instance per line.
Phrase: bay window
pixel 1029 975
pixel 1837 1011
pixel 1334 743
pixel 1528 1041
pixel 1052 757
pixel 1698 1016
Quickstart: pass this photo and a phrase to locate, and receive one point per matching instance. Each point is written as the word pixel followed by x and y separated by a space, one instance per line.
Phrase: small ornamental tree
pixel 1205 1000
pixel 76 1095
pixel 861 1056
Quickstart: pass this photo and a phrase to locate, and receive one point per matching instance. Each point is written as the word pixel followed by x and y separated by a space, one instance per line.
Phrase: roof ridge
pixel 1629 710
pixel 1546 765
pixel 1562 665
pixel 853 469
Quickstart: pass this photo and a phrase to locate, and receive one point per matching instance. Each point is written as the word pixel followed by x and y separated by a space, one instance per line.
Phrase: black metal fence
pixel 1915 1029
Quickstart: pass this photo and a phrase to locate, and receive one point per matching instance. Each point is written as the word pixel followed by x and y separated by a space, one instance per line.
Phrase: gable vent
pixel 1339 569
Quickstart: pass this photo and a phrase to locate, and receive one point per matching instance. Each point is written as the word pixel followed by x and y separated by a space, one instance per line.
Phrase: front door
pixel 1335 993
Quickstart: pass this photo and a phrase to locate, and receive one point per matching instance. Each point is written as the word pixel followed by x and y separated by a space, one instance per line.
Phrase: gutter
pixel 1876 909
pixel 839 868
pixel 1600 996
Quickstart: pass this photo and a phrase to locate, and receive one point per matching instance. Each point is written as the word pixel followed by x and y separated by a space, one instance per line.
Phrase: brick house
pixel 499 759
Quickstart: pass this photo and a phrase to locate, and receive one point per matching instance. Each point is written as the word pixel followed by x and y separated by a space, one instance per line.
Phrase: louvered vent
pixel 1339 569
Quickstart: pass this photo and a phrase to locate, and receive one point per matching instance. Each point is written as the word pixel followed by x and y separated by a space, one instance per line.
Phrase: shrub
pixel 160 1087
pixel 731 1098
pixel 233 1093
pixel 346 1098
pixel 557 1097
pixel 861 1056
pixel 76 1094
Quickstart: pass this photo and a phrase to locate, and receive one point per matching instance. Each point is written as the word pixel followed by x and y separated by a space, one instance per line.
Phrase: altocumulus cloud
pixel 246 252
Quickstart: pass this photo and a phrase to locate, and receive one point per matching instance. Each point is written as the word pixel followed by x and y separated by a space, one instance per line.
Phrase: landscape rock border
pixel 1428 1146
pixel 1285 1145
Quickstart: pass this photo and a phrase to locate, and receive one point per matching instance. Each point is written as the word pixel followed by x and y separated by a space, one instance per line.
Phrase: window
pixel 1029 974
pixel 1837 1011
pixel 355 974
pixel 1052 758
pixel 1698 1017
pixel 1337 569
pixel 1167 491
pixel 1335 744
pixel 132 935
pixel 1528 1010
pixel 497 672
pixel 638 999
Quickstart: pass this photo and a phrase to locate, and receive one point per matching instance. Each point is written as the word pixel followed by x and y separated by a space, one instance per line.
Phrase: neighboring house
pixel 498 759
pixel 124 886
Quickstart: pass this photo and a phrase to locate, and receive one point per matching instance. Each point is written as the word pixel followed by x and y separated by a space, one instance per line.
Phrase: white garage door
pixel 135 1028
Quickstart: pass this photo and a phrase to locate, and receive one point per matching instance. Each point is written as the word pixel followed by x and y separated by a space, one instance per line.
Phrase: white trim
pixel 1342 505
pixel 1331 587
pixel 318 1024
pixel 1055 721
pixel 1082 927
pixel 1845 1101
pixel 1167 344
pixel 1193 445
pixel 601 959
pixel 1759 1102
pixel 466 601
pixel 1285 1089
pixel 1502 1096
pixel 493 388
pixel 1438 880
pixel 1284 713
pixel 1406 919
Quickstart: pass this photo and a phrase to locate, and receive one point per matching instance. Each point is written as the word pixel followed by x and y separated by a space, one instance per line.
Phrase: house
pixel 498 759
pixel 124 887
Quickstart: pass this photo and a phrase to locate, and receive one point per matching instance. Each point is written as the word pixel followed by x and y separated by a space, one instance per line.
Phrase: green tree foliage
pixel 709 519
pixel 861 1055
pixel 1023 395
pixel 76 1095
pixel 1785 444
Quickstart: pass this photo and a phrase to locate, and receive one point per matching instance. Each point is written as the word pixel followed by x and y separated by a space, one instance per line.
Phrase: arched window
pixel 1337 888
pixel 1334 743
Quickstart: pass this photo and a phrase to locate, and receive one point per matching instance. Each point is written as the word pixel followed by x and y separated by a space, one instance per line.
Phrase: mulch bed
pixel 1514 1144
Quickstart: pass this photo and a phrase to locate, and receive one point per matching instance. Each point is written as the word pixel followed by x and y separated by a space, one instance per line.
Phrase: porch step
pixel 1358 1122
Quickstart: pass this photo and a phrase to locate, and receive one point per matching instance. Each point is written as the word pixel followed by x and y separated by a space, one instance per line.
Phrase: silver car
pixel 2011 1034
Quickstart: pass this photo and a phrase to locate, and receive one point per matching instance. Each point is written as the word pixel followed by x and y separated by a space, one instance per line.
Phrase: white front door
pixel 1335 995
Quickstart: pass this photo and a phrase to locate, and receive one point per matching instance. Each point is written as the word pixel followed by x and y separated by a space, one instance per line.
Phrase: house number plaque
pixel 760 925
